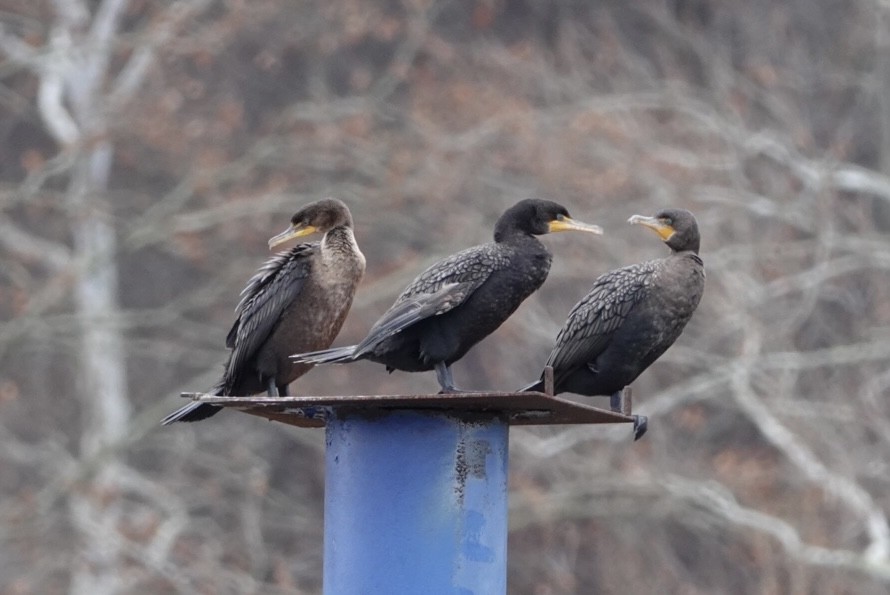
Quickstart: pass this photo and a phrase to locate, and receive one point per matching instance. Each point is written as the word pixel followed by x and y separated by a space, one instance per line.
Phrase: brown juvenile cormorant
pixel 460 300
pixel 297 301
pixel 631 316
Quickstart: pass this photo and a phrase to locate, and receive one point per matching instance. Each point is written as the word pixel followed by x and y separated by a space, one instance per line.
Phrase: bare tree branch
pixel 17 241
pixel 131 76
pixel 51 94
pixel 803 458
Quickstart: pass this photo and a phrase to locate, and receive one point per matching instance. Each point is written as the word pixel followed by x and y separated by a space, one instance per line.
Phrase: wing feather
pixel 439 289
pixel 268 293
pixel 594 320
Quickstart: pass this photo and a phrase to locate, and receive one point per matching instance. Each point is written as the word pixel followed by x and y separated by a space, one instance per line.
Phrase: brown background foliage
pixel 765 469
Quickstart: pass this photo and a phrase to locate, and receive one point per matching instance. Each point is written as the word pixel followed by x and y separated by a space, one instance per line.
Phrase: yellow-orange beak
pixel 564 223
pixel 664 230
pixel 290 233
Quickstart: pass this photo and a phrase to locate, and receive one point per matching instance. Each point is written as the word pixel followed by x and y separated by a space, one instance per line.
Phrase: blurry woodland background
pixel 150 148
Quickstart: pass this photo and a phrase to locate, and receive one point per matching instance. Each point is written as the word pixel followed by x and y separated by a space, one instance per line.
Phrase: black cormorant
pixel 631 315
pixel 297 301
pixel 460 300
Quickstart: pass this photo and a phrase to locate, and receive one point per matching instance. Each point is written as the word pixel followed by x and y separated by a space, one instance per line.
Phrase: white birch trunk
pixel 72 104
pixel 105 407
pixel 103 366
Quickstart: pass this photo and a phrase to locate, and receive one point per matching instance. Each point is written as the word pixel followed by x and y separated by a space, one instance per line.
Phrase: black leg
pixel 271 389
pixel 641 424
pixel 446 382
pixel 615 401
pixel 283 390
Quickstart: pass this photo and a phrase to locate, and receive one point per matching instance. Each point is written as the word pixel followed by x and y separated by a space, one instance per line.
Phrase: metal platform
pixel 416 486
pixel 524 408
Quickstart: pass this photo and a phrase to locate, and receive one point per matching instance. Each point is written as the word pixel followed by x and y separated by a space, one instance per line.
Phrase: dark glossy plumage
pixel 631 315
pixel 462 299
pixel 296 301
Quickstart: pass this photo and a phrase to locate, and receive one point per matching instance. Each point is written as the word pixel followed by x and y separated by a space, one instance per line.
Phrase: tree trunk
pixel 105 408
pixel 103 366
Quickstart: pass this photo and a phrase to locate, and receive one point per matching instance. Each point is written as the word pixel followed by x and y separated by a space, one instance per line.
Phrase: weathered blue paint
pixel 415 503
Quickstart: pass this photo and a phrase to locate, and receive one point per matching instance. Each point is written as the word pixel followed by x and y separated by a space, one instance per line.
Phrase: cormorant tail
pixel 335 355
pixel 537 385
pixel 191 412
pixel 194 411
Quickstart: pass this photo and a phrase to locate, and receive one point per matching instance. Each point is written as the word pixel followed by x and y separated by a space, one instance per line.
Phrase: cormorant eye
pixel 560 216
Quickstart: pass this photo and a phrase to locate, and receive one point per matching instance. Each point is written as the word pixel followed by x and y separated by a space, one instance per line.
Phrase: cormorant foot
pixel 641 424
pixel 446 382
pixel 451 390
pixel 615 401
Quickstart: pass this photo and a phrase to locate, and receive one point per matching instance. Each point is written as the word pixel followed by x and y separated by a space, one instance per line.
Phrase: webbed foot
pixel 451 390
pixel 446 382
pixel 641 424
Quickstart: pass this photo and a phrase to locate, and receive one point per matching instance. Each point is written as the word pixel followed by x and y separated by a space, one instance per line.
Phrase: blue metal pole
pixel 415 504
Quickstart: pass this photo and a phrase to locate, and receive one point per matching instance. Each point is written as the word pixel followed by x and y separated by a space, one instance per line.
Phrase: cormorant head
pixel 537 216
pixel 320 216
pixel 676 227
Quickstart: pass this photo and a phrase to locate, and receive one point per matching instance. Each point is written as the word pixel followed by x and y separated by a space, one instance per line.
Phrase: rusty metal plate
pixel 526 408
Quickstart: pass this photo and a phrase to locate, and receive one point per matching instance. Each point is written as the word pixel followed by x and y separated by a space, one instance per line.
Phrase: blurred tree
pixel 201 126
pixel 83 78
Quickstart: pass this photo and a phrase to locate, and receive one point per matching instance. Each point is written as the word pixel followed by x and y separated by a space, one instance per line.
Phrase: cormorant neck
pixel 690 254
pixel 693 249
pixel 338 238
pixel 339 244
pixel 508 233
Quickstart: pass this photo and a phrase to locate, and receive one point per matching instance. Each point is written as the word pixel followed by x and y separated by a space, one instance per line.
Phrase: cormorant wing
pixel 592 322
pixel 441 288
pixel 272 289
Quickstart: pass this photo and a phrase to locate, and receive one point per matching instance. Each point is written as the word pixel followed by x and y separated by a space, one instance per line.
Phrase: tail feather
pixel 537 385
pixel 194 411
pixel 335 355
pixel 191 412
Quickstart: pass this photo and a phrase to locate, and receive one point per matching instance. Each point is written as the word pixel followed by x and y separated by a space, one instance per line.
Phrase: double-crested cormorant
pixel 460 300
pixel 631 315
pixel 297 301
